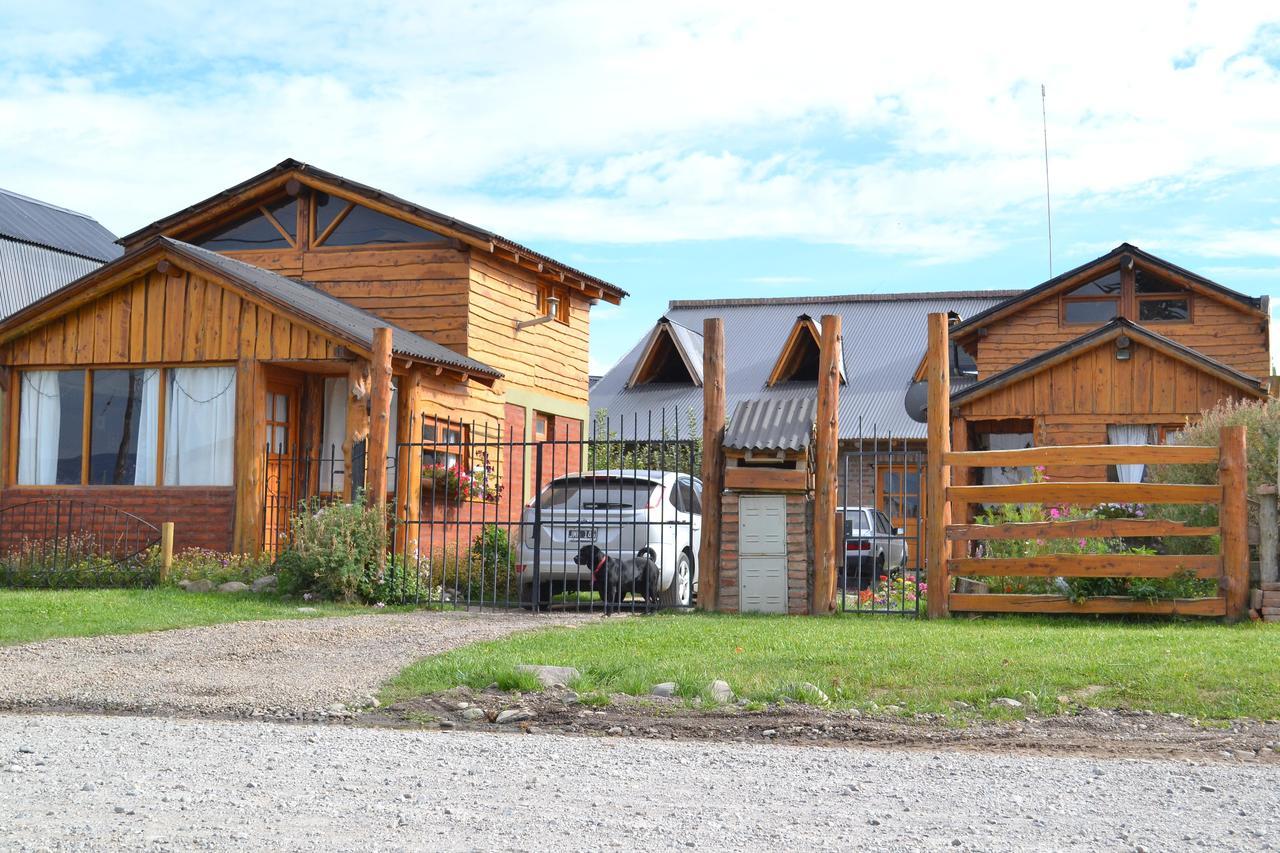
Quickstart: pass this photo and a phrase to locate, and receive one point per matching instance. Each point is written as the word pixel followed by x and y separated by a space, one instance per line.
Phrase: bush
pixel 74 563
pixel 336 552
pixel 192 564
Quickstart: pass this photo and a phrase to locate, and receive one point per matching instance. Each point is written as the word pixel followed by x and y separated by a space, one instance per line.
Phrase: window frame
pixel 12 425
pixel 548 426
pixel 292 242
pixel 463 443
pixel 1128 300
pixel 1184 296
pixel 545 291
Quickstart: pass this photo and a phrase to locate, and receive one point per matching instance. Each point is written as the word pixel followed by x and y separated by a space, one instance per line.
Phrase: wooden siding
pixel 176 318
pixel 422 290
pixel 550 358
pixel 1219 331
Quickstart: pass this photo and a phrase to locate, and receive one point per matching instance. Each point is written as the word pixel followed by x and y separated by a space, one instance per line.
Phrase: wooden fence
pixel 947 544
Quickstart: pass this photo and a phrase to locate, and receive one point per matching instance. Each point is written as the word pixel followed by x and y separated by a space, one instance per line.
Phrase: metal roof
pixel 328 310
pixel 29 273
pixel 476 233
pixel 884 338
pixel 34 221
pixel 767 424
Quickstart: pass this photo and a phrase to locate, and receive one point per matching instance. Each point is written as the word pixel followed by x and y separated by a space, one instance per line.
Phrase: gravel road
pixel 134 783
pixel 288 668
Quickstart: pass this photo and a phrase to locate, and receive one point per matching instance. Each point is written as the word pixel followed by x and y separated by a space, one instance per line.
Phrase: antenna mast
pixel 1048 207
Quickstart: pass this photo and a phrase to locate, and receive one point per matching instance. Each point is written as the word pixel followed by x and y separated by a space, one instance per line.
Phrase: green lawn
pixel 1200 669
pixel 29 615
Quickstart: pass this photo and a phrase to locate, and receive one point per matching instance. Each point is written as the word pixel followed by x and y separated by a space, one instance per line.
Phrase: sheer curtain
pixel 333 434
pixel 148 429
pixel 39 425
pixel 1129 434
pixel 1007 475
pixel 199 445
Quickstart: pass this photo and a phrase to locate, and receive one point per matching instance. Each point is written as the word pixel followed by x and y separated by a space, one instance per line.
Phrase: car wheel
pixel 680 593
pixel 879 567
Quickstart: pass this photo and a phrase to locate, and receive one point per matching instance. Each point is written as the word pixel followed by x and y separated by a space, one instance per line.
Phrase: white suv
pixel 623 513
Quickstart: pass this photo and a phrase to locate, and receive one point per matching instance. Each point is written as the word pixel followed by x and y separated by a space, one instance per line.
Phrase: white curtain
pixel 1008 475
pixel 392 438
pixel 148 429
pixel 199 446
pixel 1129 434
pixel 333 434
pixel 39 425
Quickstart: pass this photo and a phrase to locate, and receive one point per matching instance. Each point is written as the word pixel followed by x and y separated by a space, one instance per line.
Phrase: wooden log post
pixel 1268 534
pixel 166 551
pixel 1234 521
pixel 937 504
pixel 826 452
pixel 713 424
pixel 250 456
pixel 379 417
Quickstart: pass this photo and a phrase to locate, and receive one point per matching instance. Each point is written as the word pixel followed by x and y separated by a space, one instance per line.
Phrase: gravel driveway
pixel 289 668
pixel 134 783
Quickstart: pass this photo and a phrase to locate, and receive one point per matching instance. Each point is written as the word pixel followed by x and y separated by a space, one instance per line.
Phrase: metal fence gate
pixel 64 542
pixel 553 521
pixel 880 536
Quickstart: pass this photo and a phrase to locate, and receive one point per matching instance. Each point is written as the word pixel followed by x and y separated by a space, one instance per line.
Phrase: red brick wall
pixel 799 553
pixel 202 517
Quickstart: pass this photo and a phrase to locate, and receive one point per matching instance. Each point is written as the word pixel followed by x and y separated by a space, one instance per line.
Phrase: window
pixel 1128 434
pixel 126 427
pixel 339 222
pixel 542 426
pixel 450 443
pixel 686 496
pixel 269 226
pixel 1160 300
pixel 1094 302
pixel 902 493
pixel 545 292
pixel 883 525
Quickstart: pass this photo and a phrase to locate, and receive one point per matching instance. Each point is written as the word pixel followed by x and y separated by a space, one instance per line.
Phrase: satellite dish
pixel 916 401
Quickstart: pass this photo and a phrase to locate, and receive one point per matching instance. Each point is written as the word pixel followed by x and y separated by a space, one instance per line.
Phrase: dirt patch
pixel 1080 731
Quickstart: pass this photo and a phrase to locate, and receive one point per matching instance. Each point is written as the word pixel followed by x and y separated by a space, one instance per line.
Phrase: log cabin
pixel 284 320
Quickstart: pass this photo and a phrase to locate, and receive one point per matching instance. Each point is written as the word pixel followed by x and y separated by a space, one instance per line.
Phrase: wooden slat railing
pixel 1083 528
pixel 1086 493
pixel 1092 566
pixel 1097 454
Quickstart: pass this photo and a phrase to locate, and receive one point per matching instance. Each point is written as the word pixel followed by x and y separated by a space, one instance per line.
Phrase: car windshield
pixel 591 493
pixel 854 521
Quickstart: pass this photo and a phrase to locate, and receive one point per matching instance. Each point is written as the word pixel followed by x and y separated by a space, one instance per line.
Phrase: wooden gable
pixel 800 354
pixel 163 312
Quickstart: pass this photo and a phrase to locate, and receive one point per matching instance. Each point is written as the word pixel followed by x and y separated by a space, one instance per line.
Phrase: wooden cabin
pixel 1125 349
pixel 189 379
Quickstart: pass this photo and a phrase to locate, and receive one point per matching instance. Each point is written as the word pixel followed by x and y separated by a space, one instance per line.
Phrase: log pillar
pixel 826 452
pixel 713 423
pixel 937 506
pixel 250 456
pixel 409 462
pixel 379 417
pixel 1234 520
pixel 357 422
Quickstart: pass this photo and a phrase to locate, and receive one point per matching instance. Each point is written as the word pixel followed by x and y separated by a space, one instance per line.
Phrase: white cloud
pixel 895 129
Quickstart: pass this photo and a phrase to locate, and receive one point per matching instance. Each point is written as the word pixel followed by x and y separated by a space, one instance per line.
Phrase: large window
pixel 1160 300
pixel 269 226
pixel 1094 302
pixel 1154 298
pixel 106 427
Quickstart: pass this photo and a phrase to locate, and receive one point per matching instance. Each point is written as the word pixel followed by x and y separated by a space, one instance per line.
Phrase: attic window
pixel 665 360
pixel 1094 302
pixel 1160 300
pixel 801 356
pixel 343 223
pixel 545 294
pixel 268 226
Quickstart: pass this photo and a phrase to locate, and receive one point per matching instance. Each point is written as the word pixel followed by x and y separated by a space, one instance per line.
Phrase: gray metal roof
pixel 884 340
pixel 344 317
pixel 764 423
pixel 33 221
pixel 29 273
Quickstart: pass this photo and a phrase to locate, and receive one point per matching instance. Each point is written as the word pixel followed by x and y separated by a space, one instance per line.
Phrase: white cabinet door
pixel 762 554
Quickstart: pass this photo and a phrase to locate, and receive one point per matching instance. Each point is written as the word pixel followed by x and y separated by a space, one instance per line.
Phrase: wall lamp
pixel 1123 348
pixel 553 310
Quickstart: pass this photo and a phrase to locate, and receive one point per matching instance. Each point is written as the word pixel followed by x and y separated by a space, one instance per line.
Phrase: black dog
pixel 611 576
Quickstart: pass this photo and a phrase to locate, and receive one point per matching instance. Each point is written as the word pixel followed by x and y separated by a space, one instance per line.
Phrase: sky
pixel 688 149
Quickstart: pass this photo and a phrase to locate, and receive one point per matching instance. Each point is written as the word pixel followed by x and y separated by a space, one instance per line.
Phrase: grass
pixel 30 615
pixel 1205 670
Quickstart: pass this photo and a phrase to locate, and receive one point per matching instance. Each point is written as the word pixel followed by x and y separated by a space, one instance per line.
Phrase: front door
pixel 283 470
pixel 902 499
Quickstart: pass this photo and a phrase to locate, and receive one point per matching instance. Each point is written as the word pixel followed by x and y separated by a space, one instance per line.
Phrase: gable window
pixel 269 226
pixel 1094 302
pixel 1160 300
pixel 801 356
pixel 107 427
pixel 338 222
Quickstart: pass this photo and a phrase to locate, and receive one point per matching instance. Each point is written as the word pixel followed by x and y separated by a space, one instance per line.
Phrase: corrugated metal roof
pixel 331 311
pixel 29 273
pixel 884 339
pixel 34 221
pixel 766 424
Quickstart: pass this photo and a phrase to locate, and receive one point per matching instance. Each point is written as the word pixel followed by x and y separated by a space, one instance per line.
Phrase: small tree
pixel 672 449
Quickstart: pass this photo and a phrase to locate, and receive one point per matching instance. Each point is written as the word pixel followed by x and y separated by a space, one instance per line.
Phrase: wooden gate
pixel 947 544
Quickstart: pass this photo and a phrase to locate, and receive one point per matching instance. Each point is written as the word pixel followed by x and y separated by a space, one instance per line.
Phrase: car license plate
pixel 582 534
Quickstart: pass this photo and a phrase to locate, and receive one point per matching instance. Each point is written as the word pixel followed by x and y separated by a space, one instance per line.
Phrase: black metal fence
pixel 304 479
pixel 64 543
pixel 552 520
pixel 880 536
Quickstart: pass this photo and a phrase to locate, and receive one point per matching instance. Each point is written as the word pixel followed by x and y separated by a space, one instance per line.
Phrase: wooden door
pixel 901 486
pixel 282 490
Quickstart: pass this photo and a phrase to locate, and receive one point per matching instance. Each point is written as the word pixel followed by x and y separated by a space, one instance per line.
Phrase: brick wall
pixel 799 553
pixel 202 517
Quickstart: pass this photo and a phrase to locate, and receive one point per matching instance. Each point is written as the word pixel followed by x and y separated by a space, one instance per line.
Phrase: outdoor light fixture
pixel 1123 351
pixel 553 310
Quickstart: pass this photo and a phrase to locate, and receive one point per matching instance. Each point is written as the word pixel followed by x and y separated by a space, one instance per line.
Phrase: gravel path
pixel 134 783
pixel 289 668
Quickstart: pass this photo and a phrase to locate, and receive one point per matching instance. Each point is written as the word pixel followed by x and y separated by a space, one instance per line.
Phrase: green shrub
pixel 338 551
pixel 74 563
pixel 1261 420
pixel 192 564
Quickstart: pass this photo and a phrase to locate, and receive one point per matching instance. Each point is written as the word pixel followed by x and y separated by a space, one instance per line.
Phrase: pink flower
pixel 1082 543
pixel 1054 513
